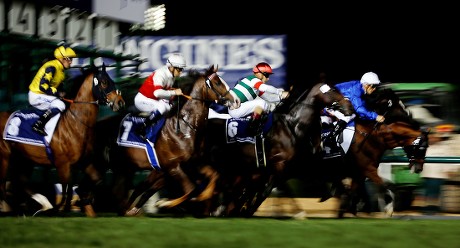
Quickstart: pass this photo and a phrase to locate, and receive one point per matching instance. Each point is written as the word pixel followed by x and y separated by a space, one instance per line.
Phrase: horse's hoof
pixel 388 210
pixel 89 211
pixel 133 212
pixel 162 203
pixel 220 211
pixel 43 201
pixel 300 216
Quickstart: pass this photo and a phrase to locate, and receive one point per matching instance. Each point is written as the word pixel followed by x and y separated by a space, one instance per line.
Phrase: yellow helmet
pixel 64 52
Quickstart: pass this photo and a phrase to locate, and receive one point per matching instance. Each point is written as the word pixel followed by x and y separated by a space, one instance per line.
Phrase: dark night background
pixel 411 43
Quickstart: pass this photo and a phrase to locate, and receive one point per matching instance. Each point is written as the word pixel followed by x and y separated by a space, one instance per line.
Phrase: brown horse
pixel 179 142
pixel 293 138
pixel 71 145
pixel 370 141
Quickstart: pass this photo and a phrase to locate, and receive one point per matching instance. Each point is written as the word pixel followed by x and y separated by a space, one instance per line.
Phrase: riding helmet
pixel 263 68
pixel 370 78
pixel 176 60
pixel 64 52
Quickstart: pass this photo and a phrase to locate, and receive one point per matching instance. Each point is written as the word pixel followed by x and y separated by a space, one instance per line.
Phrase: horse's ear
pixel 103 66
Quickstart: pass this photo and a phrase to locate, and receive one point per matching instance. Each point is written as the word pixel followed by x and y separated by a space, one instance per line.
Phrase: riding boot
pixel 331 139
pixel 149 121
pixel 39 125
pixel 254 124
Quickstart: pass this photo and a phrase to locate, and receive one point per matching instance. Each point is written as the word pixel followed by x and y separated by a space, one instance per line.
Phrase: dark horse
pixel 294 138
pixel 72 141
pixel 179 141
pixel 370 141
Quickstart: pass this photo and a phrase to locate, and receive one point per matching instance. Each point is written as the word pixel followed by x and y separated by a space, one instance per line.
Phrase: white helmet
pixel 176 60
pixel 370 78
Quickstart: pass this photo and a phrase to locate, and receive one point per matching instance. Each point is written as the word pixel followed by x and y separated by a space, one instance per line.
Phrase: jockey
pixel 256 96
pixel 156 91
pixel 354 91
pixel 43 91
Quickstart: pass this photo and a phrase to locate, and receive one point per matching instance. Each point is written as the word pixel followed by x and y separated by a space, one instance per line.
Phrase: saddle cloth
pixel 127 136
pixel 236 129
pixel 344 139
pixel 18 127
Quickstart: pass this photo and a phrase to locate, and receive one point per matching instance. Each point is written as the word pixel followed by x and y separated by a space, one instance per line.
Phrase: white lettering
pixel 229 53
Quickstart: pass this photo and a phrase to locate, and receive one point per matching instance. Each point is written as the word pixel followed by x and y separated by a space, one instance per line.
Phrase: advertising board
pixel 235 55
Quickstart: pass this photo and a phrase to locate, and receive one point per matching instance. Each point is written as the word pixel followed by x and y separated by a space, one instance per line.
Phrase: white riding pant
pixel 45 102
pixel 150 105
pixel 247 108
pixel 339 115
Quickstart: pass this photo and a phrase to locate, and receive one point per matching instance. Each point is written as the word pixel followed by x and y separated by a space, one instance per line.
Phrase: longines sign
pixel 235 55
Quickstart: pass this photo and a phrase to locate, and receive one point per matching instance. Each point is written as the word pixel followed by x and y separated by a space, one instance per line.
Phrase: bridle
pixel 221 97
pixel 417 150
pixel 208 81
pixel 209 85
pixel 100 92
pixel 102 88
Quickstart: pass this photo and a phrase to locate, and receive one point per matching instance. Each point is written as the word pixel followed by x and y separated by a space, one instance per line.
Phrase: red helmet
pixel 263 68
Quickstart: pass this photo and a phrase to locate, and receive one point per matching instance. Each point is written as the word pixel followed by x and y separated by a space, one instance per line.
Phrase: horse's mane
pixel 185 83
pixel 296 95
pixel 73 85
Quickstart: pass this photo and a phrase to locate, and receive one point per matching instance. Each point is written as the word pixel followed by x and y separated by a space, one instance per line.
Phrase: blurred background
pixel 414 48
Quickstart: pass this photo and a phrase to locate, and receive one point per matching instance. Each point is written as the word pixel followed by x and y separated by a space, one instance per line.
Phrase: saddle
pixel 19 127
pixel 128 137
pixel 343 142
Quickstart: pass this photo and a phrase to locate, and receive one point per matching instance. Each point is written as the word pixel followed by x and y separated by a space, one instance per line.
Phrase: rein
pixel 101 93
pixel 72 101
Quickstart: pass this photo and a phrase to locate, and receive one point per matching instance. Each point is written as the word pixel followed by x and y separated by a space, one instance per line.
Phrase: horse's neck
pixel 399 134
pixel 195 110
pixel 299 126
pixel 84 109
pixel 301 118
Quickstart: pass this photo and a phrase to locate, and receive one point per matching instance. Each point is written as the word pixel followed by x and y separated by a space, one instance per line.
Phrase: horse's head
pixel 105 91
pixel 217 89
pixel 416 152
pixel 325 96
pixel 387 103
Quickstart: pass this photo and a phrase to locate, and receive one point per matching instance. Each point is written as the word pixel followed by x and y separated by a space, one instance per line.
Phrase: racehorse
pixel 71 145
pixel 293 138
pixel 370 141
pixel 179 141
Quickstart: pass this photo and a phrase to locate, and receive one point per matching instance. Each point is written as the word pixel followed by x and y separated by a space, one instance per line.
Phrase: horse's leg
pixel 25 189
pixel 208 192
pixel 266 185
pixel 187 186
pixel 122 182
pixel 4 206
pixel 384 195
pixel 86 187
pixel 64 174
pixel 146 189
